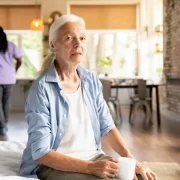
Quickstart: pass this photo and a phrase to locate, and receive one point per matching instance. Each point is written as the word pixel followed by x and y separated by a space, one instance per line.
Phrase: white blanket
pixel 10 159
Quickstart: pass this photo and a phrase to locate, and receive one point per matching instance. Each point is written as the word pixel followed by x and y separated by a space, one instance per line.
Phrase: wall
pixel 47 5
pixel 12 17
pixel 62 5
pixel 172 53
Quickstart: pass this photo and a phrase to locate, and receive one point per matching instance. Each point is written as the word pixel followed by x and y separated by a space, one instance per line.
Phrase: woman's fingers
pixel 113 171
pixel 151 175
pixel 135 177
pixel 144 175
pixel 113 168
pixel 111 175
pixel 113 160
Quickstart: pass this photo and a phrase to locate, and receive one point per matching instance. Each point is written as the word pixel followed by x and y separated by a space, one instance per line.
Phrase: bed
pixel 10 159
pixel 11 153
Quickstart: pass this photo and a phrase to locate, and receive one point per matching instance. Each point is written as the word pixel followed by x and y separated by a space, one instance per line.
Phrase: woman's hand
pixel 106 168
pixel 146 173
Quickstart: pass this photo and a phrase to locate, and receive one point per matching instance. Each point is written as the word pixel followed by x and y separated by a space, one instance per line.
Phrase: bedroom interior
pixel 130 40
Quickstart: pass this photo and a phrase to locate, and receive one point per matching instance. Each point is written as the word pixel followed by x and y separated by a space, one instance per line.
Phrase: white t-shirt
pixel 78 140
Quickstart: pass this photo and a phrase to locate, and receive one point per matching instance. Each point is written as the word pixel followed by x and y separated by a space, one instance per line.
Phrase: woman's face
pixel 70 42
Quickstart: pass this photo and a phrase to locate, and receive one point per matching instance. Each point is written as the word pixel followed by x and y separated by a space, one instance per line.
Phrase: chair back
pixel 106 88
pixel 142 88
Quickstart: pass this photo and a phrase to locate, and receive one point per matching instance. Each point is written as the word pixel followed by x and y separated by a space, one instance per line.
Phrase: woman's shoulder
pixel 90 76
pixel 86 73
pixel 11 44
pixel 38 85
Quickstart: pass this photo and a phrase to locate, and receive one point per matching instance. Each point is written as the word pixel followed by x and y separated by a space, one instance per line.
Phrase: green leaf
pixel 106 61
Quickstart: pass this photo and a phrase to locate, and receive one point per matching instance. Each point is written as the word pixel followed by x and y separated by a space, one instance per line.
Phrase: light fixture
pixel 37 24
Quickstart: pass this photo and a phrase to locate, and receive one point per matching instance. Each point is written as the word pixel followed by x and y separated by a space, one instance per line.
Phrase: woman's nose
pixel 77 42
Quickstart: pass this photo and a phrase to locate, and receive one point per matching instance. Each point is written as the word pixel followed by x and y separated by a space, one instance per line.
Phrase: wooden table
pixel 150 87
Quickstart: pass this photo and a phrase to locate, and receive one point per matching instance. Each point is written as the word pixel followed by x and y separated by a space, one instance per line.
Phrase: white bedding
pixel 10 159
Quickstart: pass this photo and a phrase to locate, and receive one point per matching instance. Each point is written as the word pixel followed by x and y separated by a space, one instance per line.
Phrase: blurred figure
pixel 8 52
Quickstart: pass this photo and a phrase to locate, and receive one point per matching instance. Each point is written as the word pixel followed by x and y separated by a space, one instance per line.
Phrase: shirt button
pixel 64 115
pixel 60 134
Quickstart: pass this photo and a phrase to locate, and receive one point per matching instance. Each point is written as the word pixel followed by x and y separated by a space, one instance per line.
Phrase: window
pixel 112 52
pixel 30 43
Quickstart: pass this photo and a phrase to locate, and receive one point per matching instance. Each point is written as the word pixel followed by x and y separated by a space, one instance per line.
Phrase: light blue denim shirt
pixel 46 112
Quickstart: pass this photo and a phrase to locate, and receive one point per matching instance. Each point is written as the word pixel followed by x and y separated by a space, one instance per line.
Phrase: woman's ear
pixel 53 46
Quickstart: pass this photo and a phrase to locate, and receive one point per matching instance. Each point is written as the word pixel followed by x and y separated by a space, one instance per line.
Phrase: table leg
pixel 157 106
pixel 117 93
pixel 150 95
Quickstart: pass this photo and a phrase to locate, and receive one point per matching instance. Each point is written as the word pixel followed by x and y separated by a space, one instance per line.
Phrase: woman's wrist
pixel 129 155
pixel 89 167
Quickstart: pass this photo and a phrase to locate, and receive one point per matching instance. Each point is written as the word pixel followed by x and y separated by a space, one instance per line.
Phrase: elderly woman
pixel 67 115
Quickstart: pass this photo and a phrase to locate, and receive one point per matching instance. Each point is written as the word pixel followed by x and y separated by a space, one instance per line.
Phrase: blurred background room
pixel 128 40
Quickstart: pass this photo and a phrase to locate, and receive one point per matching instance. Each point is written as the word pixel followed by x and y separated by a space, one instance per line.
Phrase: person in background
pixel 8 52
pixel 67 115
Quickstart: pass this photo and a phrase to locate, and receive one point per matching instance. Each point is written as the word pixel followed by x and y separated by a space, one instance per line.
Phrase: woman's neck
pixel 66 72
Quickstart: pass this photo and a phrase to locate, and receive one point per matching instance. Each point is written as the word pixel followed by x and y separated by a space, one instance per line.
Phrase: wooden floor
pixel 147 143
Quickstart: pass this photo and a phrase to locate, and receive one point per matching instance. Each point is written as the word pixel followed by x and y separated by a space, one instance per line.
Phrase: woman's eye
pixel 69 38
pixel 83 38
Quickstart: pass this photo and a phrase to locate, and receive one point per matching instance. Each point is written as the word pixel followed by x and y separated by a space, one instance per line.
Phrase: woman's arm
pixel 62 162
pixel 114 139
pixel 18 63
pixel 101 168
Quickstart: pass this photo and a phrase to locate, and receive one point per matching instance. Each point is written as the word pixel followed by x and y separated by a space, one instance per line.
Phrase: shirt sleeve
pixel 16 52
pixel 37 115
pixel 105 118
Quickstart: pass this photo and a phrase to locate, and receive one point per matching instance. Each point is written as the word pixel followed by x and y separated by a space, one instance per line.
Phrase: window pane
pixel 13 38
pixel 126 53
pixel 32 54
pixel 115 52
pixel 32 40
pixel 105 52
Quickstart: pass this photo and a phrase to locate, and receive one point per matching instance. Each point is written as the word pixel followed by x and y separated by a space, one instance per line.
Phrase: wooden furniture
pixel 140 100
pixel 150 87
pixel 112 102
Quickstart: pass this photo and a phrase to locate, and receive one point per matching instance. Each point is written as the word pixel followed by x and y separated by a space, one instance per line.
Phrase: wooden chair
pixel 140 100
pixel 112 102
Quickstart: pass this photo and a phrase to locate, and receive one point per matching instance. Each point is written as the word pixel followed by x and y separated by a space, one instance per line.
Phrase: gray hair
pixel 49 59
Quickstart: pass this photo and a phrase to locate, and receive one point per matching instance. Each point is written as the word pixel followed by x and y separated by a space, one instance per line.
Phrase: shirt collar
pixel 52 75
